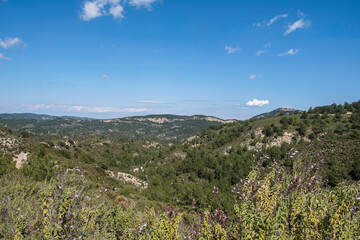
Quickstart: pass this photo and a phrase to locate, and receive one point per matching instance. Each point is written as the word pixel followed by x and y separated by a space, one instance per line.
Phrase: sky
pixel 230 59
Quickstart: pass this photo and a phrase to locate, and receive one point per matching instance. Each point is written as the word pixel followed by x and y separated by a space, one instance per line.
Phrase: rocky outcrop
pixel 128 179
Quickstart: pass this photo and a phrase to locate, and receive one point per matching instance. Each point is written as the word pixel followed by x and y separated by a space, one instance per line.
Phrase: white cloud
pixel 232 50
pixel 252 76
pixel 271 21
pixel 299 24
pixel 290 52
pixel 99 8
pixel 91 10
pixel 142 3
pixel 150 101
pixel 257 103
pixel 105 76
pixel 258 53
pixel 11 42
pixel 2 56
pixel 79 108
pixel 117 11
pixel 3 0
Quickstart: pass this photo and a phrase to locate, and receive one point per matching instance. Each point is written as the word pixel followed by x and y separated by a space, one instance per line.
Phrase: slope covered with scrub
pixel 290 177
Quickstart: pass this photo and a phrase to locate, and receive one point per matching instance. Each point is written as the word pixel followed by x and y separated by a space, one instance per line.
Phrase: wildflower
pixel 216 190
pixel 171 212
pixel 142 227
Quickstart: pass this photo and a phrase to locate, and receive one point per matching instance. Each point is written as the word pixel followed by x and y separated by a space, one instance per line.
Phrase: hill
pixel 26 116
pixel 36 116
pixel 259 176
pixel 276 112
pixel 162 127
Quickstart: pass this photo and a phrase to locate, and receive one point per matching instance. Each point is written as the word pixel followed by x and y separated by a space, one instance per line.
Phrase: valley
pixel 181 169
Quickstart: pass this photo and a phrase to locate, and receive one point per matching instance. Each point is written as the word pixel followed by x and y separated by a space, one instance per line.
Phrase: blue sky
pixel 229 58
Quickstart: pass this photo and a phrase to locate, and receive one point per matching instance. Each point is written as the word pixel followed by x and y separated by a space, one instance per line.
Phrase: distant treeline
pixel 334 108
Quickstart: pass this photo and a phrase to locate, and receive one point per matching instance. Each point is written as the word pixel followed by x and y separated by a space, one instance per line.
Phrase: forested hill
pixel 276 112
pixel 162 127
pixel 259 177
pixel 36 116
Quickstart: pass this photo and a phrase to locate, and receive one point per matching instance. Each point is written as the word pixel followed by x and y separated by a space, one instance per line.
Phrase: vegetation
pixel 274 202
pixel 292 176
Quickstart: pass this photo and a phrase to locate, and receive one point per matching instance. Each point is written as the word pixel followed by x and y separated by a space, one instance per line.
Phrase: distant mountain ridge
pixel 276 112
pixel 162 127
pixel 36 116
pixel 157 118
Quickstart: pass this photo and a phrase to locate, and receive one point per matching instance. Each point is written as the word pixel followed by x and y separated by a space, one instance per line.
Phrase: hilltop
pixel 276 112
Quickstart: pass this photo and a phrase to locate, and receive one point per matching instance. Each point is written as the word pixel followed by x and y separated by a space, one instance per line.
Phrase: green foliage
pixel 291 204
pixel 334 108
pixel 272 202
pixel 39 168
pixel 66 189
pixel 6 164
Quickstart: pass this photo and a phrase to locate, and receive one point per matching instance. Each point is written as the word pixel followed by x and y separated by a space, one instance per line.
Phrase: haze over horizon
pixel 228 59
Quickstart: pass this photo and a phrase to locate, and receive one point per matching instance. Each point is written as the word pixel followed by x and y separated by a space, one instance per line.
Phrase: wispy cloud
pixel 2 56
pixel 11 42
pixel 271 21
pixel 150 101
pixel 239 106
pixel 86 109
pixel 105 76
pixel 3 0
pixel 262 51
pixel 257 103
pixel 301 14
pixel 274 19
pixel 290 52
pixel 198 100
pixel 232 50
pixel 142 3
pixel 299 24
pixel 252 76
pixel 258 53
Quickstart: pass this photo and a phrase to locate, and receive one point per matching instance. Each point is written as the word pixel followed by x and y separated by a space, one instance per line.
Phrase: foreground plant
pixel 276 202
